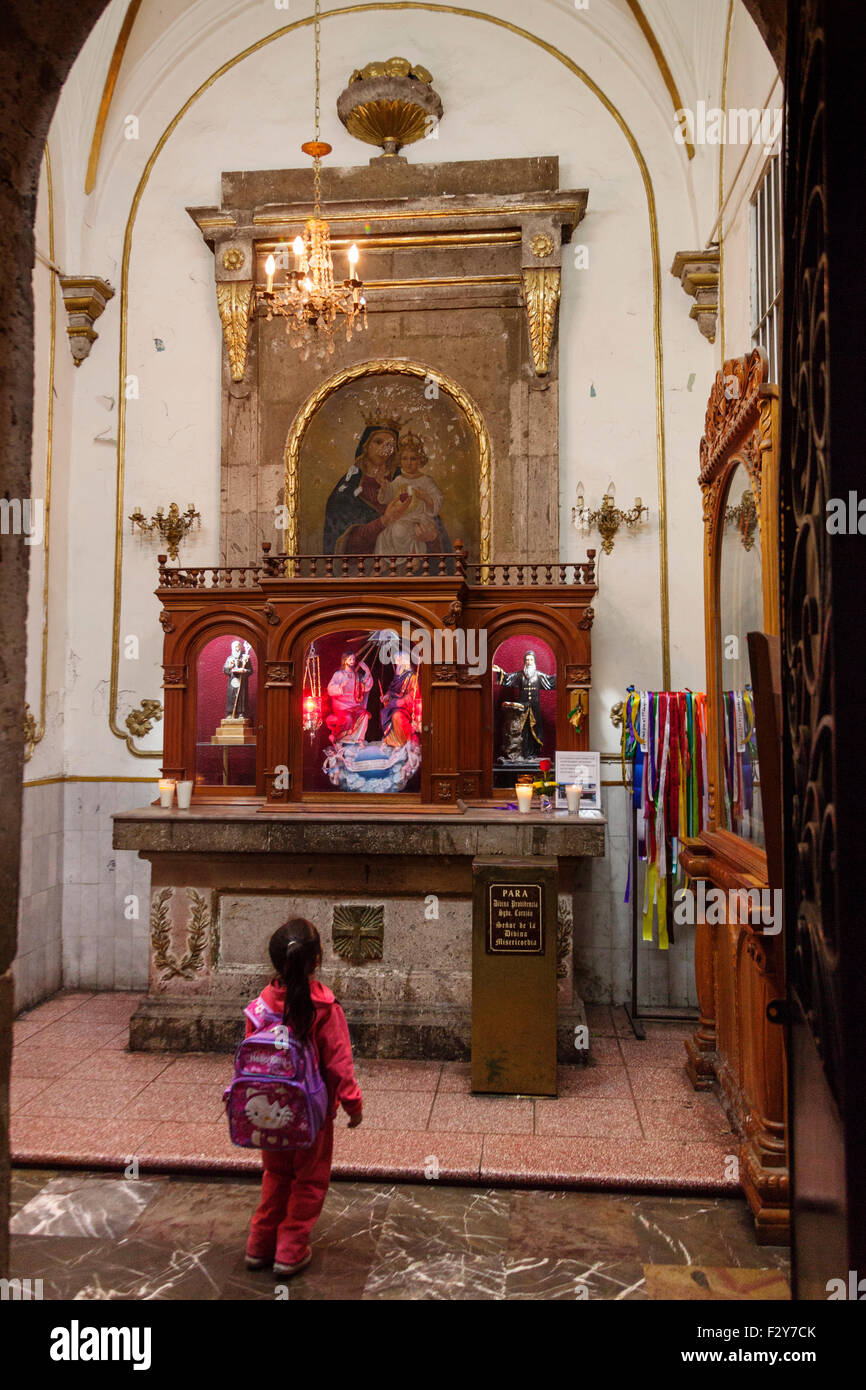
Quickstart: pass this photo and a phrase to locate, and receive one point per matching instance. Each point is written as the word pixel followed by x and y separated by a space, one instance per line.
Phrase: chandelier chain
pixel 317 163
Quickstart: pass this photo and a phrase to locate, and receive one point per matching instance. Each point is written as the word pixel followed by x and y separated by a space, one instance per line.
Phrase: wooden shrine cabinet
pixel 295 617
pixel 739 952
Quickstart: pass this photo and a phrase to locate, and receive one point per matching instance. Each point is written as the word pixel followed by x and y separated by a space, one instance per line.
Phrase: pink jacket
pixel 330 1036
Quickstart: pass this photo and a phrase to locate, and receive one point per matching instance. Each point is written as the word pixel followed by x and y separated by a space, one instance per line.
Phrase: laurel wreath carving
pixel 160 935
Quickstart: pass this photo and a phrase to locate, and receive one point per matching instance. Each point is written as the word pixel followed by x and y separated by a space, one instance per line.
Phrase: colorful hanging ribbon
pixel 664 737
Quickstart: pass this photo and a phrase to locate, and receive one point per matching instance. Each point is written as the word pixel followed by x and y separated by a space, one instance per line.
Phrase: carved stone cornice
pixel 698 273
pixel 234 298
pixel 541 290
pixel 85 297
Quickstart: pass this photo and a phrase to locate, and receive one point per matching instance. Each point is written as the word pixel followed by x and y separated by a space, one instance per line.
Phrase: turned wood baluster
pixel 425 565
pixel 377 565
pixel 589 569
pixel 329 567
pixel 443 565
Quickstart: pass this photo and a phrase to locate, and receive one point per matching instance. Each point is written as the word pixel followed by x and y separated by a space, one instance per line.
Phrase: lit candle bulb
pixel 353 260
pixel 298 248
pixel 308 285
pixel 270 267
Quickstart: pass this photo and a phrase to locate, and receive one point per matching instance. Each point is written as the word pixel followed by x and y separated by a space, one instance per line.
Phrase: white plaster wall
pixel 503 96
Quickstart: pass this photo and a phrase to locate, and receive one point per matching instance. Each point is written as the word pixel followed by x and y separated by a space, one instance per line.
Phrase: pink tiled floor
pixel 628 1119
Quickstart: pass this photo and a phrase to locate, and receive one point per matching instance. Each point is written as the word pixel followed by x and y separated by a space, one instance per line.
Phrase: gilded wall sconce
pixel 608 517
pixel 172 526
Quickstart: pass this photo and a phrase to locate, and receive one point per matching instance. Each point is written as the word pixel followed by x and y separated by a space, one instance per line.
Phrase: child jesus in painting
pixel 410 532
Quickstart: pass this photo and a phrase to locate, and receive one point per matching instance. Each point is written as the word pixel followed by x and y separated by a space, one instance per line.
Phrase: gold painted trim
pixel 400 239
pixel 613 111
pixel 261 219
pixel 39 729
pixel 445 280
pixel 661 63
pixel 720 226
pixel 380 367
pixel 108 93
pixel 70 777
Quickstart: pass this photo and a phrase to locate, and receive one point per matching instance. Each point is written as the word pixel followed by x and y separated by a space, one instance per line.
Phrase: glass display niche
pixel 524 708
pixel 361 714
pixel 227 696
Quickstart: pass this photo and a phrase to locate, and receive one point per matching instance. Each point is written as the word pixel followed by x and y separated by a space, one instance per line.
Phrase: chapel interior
pixel 414 530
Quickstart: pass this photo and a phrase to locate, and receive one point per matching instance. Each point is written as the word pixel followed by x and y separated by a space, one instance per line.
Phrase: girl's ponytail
pixel 295 951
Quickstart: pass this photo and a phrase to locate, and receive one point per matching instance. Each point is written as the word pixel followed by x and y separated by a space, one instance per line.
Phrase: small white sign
pixel 584 769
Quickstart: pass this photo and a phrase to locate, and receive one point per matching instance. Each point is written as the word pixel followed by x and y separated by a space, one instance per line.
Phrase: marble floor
pixel 629 1119
pixel 92 1235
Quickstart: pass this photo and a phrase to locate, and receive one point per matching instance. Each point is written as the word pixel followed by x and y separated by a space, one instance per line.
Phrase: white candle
pixel 166 791
pixel 572 795
pixel 298 248
pixel 270 267
pixel 524 800
pixel 184 795
pixel 353 258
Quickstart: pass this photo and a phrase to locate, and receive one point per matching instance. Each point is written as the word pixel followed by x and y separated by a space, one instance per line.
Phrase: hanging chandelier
pixel 309 299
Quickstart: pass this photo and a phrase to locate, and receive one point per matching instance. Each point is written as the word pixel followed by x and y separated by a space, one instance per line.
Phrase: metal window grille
pixel 766 254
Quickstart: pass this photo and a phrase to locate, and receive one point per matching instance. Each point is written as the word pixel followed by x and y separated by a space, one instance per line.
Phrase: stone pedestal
pixel 391 895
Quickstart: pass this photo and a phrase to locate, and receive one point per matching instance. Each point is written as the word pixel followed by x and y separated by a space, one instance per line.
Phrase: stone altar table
pixel 391 895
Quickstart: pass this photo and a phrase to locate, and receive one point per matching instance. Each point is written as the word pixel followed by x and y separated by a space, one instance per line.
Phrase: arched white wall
pixel 504 96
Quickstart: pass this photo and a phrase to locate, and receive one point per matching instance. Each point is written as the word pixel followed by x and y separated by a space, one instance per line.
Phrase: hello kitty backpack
pixel 277 1098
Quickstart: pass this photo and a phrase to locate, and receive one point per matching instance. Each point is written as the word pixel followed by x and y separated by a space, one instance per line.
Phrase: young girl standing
pixel 295 1181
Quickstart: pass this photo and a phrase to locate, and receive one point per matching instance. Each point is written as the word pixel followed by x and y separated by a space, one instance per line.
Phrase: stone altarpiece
pixel 462 267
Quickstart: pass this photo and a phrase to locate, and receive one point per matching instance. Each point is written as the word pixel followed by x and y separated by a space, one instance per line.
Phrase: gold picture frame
pixel 387 367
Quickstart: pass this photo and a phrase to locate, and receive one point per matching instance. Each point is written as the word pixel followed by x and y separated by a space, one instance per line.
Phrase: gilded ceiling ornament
pixel 233 258
pixel 233 300
pixel 390 104
pixel 541 289
pixel 541 245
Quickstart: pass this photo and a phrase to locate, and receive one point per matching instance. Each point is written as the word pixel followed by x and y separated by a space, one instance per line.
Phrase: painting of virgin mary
pixel 364 508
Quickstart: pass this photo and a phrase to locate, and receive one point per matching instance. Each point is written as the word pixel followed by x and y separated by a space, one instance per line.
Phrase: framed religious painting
pixel 388 459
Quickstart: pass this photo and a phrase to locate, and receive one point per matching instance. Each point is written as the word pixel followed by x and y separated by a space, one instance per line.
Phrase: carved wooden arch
pixel 204 628
pixel 558 636
pixel 376 612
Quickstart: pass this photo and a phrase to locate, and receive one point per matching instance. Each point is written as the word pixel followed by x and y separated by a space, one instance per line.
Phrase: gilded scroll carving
pixel 541 289
pixel 233 300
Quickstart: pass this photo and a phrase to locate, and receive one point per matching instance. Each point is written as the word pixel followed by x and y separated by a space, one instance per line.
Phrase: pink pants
pixel 294 1186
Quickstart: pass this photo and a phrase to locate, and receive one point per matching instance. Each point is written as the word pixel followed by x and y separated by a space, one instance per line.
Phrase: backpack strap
pixel 260 1015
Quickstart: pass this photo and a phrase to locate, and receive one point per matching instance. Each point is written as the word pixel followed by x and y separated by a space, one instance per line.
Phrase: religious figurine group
pixel 387 764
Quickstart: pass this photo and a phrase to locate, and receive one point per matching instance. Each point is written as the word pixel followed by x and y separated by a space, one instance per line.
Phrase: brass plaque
pixel 514 958
pixel 515 918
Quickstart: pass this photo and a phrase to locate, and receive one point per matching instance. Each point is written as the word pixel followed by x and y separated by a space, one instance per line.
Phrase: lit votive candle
pixel 166 791
pixel 524 800
pixel 572 795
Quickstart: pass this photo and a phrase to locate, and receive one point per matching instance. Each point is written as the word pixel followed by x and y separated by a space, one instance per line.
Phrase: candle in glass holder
pixel 166 791
pixel 573 794
pixel 524 799
pixel 184 795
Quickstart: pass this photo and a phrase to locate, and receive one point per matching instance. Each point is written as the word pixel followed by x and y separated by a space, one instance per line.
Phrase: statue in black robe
pixel 528 684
